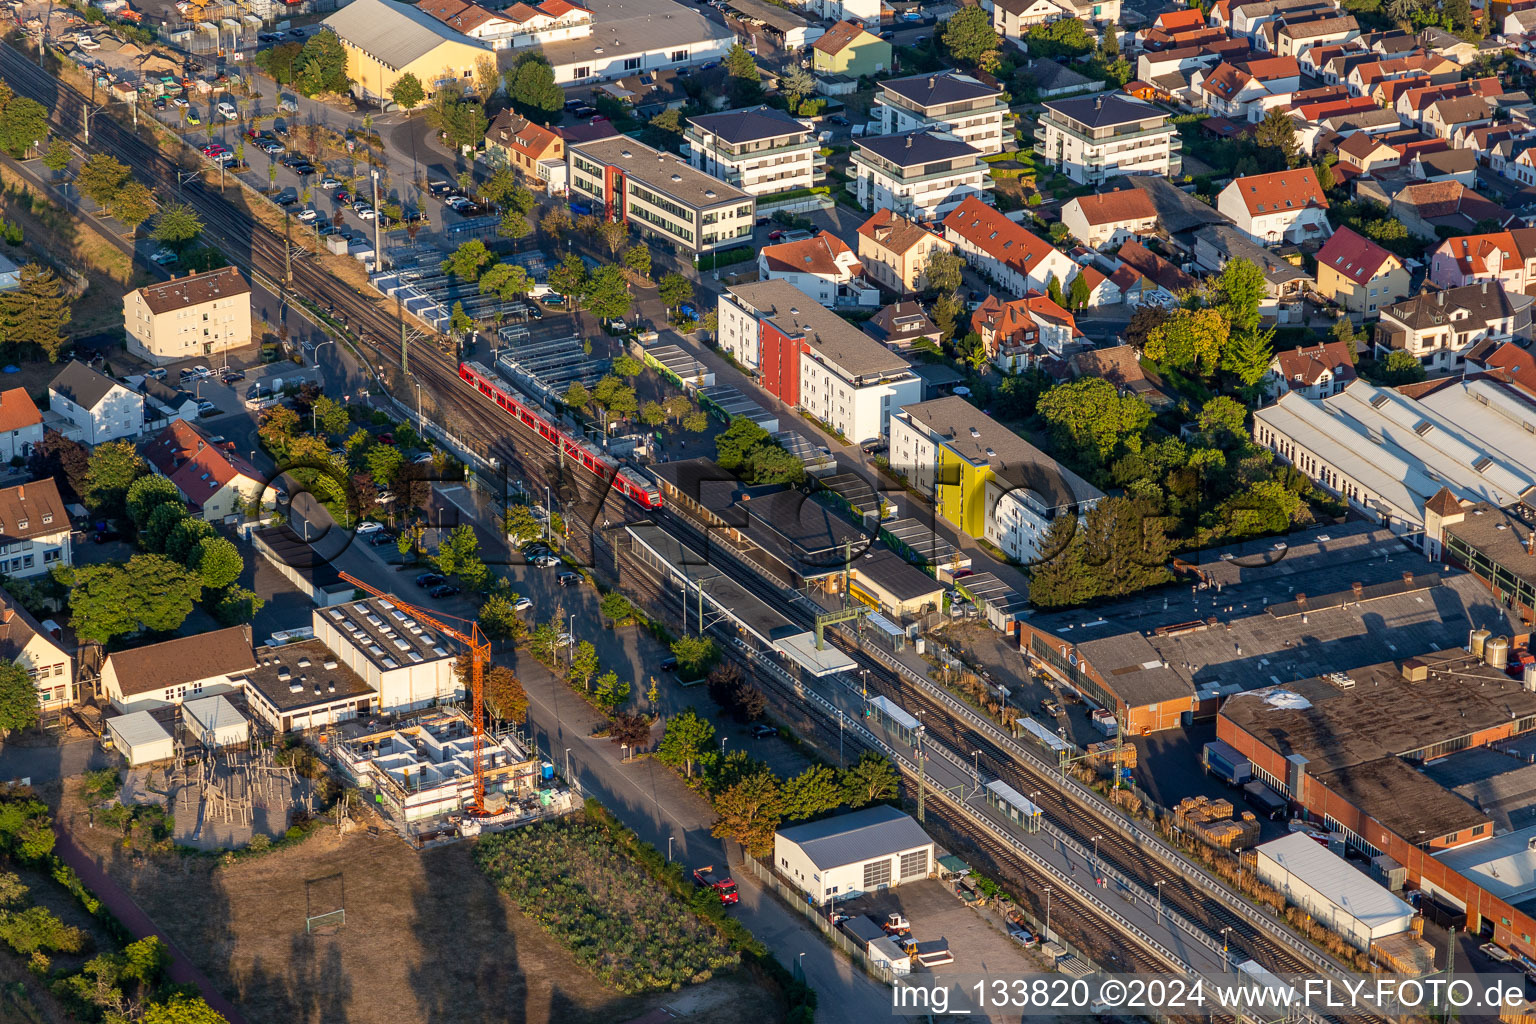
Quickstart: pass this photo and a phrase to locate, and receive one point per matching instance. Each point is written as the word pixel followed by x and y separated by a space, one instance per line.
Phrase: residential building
pixel 1285 206
pixel 1424 208
pixel 861 851
pixel 866 12
pixel 532 150
pixel 901 325
pixel 947 101
pixel 1284 283
pixel 21 425
pixel 476 22
pixel 1019 334
pixel 165 403
pixel 626 38
pixel 1094 138
pixel 96 407
pixel 823 267
pixel 760 150
pixel 895 251
pixel 1161 283
pixel 660 194
pixel 850 50
pixel 1358 274
pixel 1109 218
pixel 519 25
pixel 34 529
pixel 1238 90
pixel 1121 366
pixel 407 664
pixel 984 479
pixel 1366 153
pixel 186 317
pixel 1293 38
pixel 1508 257
pixel 809 357
pixel 188 667
pixel 1052 80
pixel 1387 454
pixel 1508 361
pixel 1448 116
pixel 922 174
pixel 1439 328
pixel 385 40
pixel 1016 260
pixel 216 482
pixel 1312 371
pixel 39 653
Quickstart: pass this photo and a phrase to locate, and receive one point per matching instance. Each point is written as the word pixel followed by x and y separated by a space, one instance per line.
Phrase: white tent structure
pixel 140 738
pixel 215 722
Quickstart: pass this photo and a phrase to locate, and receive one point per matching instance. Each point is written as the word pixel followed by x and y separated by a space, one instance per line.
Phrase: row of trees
pixel 316 67
pixel 749 451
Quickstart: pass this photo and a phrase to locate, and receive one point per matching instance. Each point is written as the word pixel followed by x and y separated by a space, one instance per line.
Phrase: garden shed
pixel 140 738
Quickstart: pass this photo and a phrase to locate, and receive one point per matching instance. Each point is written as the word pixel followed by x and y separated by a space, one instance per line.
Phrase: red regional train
pixel 632 482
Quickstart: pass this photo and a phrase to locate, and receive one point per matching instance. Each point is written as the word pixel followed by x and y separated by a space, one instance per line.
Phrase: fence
pixel 811 912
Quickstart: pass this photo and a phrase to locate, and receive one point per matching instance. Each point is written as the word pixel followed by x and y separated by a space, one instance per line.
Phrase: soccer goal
pixel 325 904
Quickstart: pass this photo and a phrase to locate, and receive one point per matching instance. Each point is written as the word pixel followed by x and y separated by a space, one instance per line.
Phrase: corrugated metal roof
pixel 857 837
pixel 395 34
pixel 1350 889
pixel 137 729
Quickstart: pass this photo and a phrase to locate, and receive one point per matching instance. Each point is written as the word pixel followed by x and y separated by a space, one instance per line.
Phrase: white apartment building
pixel 409 664
pixel 1285 206
pixel 1438 328
pixel 520 25
pixel 97 408
pixel 760 150
pixel 949 102
pixel 1002 250
pixel 810 358
pixel 865 11
pixel 23 640
pixel 823 267
pixel 660 194
pixel 21 425
pixel 1095 138
pixel 921 174
pixel 34 529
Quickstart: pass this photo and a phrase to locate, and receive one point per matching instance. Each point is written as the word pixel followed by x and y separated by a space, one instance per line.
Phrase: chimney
pixel 1407 579
pixel 1440 298
pixel 1301 600
pixel 1358 589
pixel 932 81
pixel 909 142
pixel 1530 543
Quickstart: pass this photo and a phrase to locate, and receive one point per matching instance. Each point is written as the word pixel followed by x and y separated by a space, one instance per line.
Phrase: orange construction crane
pixel 479 656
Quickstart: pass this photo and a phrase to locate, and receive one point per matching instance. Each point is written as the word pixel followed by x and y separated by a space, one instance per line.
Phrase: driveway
pixel 49 764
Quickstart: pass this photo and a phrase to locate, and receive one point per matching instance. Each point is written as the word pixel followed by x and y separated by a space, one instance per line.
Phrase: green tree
pixel 750 812
pixel 607 294
pixel 18 699
pixel 1277 134
pixel 513 225
pixel 946 312
pixel 735 444
pixel 556 222
pixel 133 205
pixel 383 462
pixel 25 829
pixel 1065 37
pixel 652 414
pixel 407 91
pixel 1078 294
pixel 638 258
pixel 739 63
pixel 99 602
pixel 627 366
pixel 520 198
pixel 531 87
pixel 570 279
pixel 1221 419
pixel 584 664
pixel 217 562
pixel 467 260
pixel 163 593
pixel 331 415
pixel 796 83
pixel 58 156
pixel 609 692
pixel 112 469
pixel 773 464
pixel 23 124
pixel 459 321
pixel 185 537
pixel 968 38
pixel 943 271
pixel 321 65
pixel 576 396
pixel 1240 290
pixel 500 620
pixel 505 697
pixel 178 225
pixel 816 790
pixel 519 524
pixel 148 493
pixel 869 781
pixel 674 290
pixel 686 737
pixel 236 605
pixel 101 178
pixel 1092 420
pixel 1401 368
pixel 1191 340
pixel 1053 292
pixel 694 654
pixel 507 280
pixel 458 554
pixel 616 608
pixel 35 315
pixel 696 422
pixel 278 61
pixel 182 1009
pixel 1248 356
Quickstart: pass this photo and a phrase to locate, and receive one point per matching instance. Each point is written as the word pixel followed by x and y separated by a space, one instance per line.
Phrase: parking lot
pixel 976 938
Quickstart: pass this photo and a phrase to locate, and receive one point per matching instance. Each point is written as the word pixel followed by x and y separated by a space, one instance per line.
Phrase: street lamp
pixel 1096 839
pixel 567 764
pixel 1048 913
pixel 976 767
pixel 1226 964
pixel 1159 885
pixel 669 848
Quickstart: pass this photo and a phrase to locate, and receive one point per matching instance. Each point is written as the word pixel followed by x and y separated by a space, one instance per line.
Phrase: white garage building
pixel 140 738
pixel 1338 895
pixel 215 722
pixel 864 851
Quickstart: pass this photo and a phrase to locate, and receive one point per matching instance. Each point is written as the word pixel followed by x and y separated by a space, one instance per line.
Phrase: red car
pixel 388 439
pixel 774 236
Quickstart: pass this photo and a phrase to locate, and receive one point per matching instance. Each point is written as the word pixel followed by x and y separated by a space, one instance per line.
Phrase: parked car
pixel 387 438
pixel 229 112
pixel 369 526
pixel 192 117
pixel 163 256
pixel 522 604
pixel 159 103
pixel 329 183
pixel 763 731
pixel 669 664
pixel 307 216
pixel 206 408
pixel 287 197
pixel 230 376
pixel 546 561
pixel 380 538
pixel 443 590
pixel 430 579
pixel 158 373
pixel 568 577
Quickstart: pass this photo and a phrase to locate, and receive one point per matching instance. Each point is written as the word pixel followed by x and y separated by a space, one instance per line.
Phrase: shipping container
pixel 1220 759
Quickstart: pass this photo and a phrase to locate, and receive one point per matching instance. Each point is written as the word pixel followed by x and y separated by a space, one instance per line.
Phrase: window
pixel 914 864
pixel 582 72
pixel 678 56
pixel 631 63
pixel 878 873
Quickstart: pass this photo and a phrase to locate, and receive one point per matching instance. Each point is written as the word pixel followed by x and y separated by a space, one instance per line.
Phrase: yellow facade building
pixel 385 41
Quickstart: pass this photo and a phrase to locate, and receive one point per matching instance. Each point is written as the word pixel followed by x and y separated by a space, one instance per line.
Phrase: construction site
pixel 420 774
